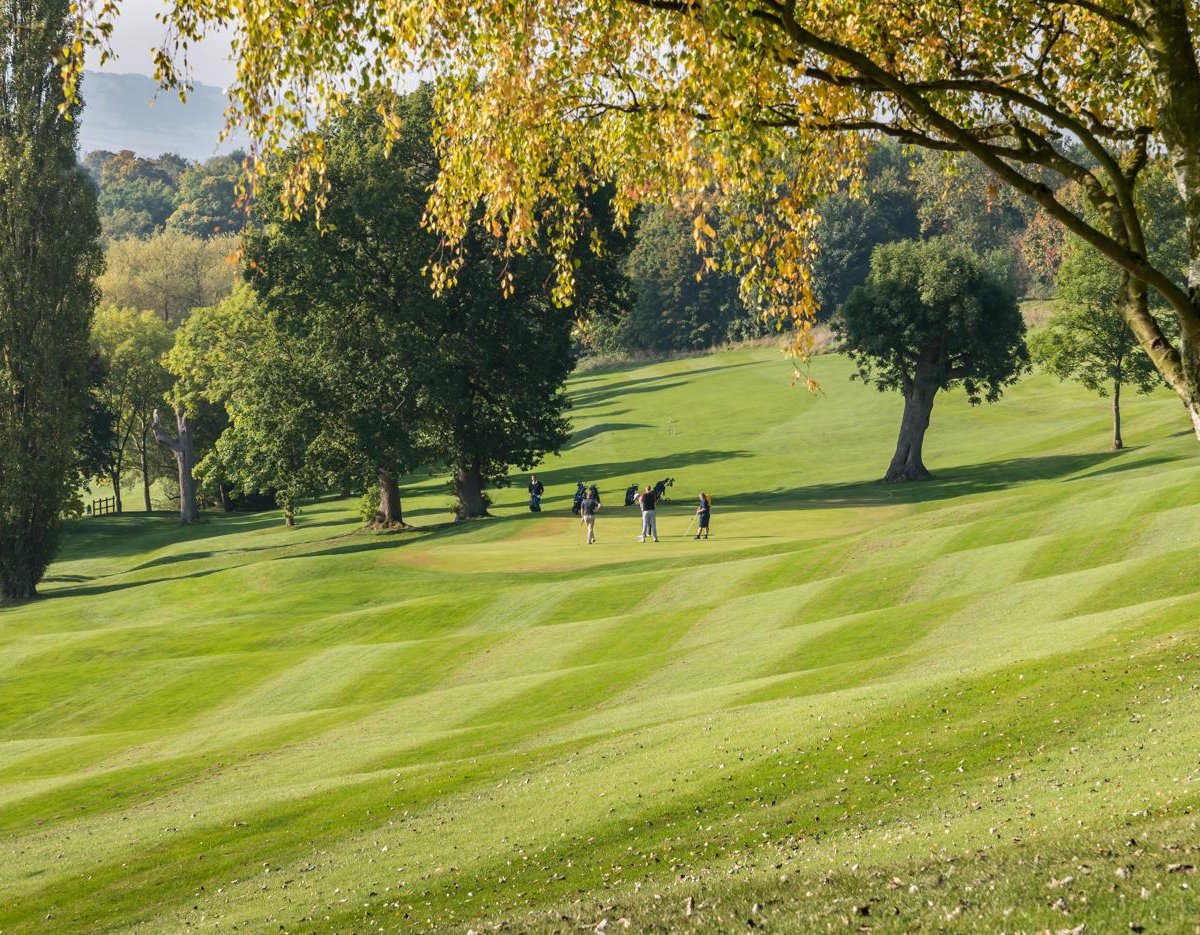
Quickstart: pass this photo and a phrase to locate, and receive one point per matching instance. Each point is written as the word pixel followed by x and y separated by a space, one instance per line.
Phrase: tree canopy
pixel 757 103
pixel 339 366
pixel 130 345
pixel 1088 340
pixel 169 274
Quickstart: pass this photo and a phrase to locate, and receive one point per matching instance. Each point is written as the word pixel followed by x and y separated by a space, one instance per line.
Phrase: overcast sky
pixel 137 33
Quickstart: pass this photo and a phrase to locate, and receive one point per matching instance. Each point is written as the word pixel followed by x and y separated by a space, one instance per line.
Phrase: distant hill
pixel 129 112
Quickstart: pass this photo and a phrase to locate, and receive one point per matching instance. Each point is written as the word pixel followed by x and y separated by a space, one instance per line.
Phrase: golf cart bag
pixel 579 495
pixel 631 495
pixel 660 489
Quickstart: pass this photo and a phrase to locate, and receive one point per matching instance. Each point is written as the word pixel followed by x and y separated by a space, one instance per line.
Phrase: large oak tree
pixel 931 316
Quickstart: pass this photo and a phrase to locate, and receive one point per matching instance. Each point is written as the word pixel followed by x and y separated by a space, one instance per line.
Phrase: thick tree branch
pixel 1038 192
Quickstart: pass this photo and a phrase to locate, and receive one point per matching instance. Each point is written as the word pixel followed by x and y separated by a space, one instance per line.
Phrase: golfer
pixel 703 511
pixel 536 489
pixel 587 509
pixel 649 521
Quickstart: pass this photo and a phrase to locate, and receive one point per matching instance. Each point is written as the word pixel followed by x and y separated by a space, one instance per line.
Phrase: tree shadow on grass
pixel 1131 464
pixel 962 481
pixel 599 429
pixel 593 396
pixel 585 401
pixel 91 590
pixel 133 533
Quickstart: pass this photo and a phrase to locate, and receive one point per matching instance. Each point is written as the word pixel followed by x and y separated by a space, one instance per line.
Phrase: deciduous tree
pixel 676 306
pixel 1089 340
pixel 208 202
pixel 932 316
pixel 233 356
pixel 131 345
pixel 854 223
pixel 137 195
pixel 1091 343
pixel 169 274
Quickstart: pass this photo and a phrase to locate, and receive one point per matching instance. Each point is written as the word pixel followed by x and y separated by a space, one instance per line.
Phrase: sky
pixel 137 32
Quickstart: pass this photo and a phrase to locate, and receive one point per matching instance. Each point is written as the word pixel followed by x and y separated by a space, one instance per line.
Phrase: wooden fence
pixel 100 507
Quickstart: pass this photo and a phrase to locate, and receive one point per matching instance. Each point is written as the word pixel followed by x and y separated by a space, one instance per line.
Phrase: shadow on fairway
pixel 582 399
pixel 585 401
pixel 113 536
pixel 91 590
pixel 945 484
pixel 1131 464
pixel 599 429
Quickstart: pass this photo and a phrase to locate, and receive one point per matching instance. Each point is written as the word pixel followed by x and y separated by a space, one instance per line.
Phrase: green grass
pixel 945 706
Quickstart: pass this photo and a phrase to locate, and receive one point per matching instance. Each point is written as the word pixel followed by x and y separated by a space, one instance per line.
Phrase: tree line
pixel 141 196
pixel 763 108
pixel 332 365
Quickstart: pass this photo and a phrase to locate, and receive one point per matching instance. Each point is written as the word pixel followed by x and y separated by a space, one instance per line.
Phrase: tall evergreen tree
pixel 49 259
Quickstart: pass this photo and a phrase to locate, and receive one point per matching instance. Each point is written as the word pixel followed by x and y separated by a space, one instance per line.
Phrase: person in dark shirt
pixel 587 510
pixel 649 520
pixel 703 511
pixel 536 489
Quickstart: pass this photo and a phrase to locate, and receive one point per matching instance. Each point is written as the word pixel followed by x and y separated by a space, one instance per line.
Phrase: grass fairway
pixel 970 705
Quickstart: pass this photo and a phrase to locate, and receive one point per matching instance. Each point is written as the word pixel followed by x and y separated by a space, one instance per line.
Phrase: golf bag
pixel 660 489
pixel 579 495
pixel 631 493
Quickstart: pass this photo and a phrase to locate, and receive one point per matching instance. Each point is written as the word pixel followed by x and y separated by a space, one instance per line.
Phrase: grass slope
pixel 968 705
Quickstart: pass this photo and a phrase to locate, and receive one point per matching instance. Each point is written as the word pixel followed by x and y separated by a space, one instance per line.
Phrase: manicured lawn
pixel 967 705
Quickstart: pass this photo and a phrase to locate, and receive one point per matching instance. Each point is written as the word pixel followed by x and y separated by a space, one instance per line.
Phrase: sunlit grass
pixel 962 705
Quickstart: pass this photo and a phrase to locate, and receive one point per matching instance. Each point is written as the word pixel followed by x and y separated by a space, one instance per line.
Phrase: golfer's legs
pixel 590 523
pixel 653 523
pixel 646 518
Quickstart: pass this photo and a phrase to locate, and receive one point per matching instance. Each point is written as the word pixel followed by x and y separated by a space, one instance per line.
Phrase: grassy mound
pixel 965 705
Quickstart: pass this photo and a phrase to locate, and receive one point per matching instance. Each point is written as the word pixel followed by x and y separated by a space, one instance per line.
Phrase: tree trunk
pixel 906 462
pixel 389 512
pixel 116 482
pixel 289 517
pixel 468 488
pixel 1118 444
pixel 18 586
pixel 184 450
pixel 146 475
